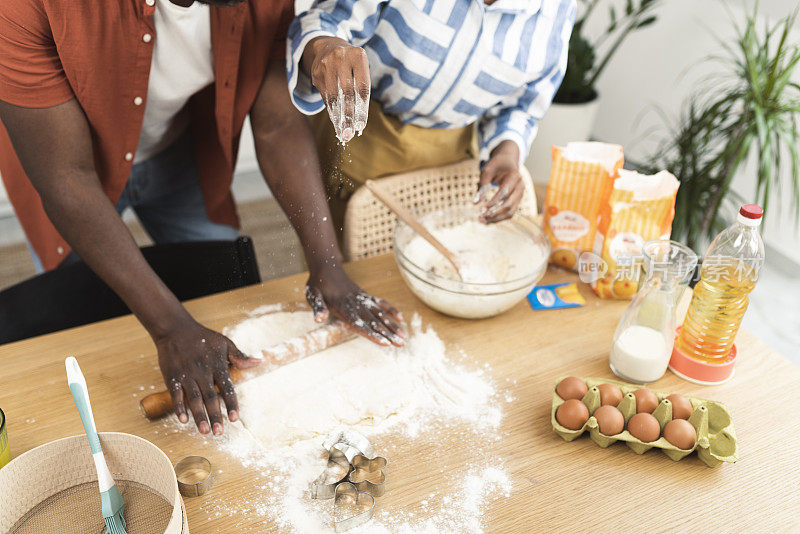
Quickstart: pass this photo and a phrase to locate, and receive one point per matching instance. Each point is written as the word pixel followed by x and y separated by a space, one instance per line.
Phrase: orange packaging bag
pixel 580 183
pixel 640 208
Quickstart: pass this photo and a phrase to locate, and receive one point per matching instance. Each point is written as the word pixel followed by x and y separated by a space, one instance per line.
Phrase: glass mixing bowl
pixel 465 299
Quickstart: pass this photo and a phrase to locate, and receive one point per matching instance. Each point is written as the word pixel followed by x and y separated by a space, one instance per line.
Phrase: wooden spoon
pixel 404 215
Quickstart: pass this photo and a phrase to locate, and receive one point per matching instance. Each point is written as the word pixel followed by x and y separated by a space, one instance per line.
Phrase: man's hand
pixel 502 170
pixel 331 290
pixel 54 146
pixel 194 359
pixel 340 72
pixel 287 155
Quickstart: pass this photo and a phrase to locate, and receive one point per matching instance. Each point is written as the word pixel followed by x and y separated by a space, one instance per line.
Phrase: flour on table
pixel 353 384
pixel 356 384
pixel 403 400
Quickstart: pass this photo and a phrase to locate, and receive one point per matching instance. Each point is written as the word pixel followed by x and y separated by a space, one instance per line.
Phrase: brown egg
pixel 646 400
pixel 573 414
pixel 610 394
pixel 609 420
pixel 645 427
pixel 681 406
pixel 680 433
pixel 571 387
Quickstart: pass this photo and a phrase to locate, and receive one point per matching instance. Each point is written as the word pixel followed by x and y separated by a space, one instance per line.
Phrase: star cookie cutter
pixel 368 476
pixel 351 508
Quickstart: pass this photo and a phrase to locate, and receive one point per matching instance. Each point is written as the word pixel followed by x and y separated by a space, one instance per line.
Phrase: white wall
pixel 659 67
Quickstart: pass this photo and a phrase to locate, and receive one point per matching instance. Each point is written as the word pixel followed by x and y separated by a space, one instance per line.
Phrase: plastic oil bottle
pixel 729 273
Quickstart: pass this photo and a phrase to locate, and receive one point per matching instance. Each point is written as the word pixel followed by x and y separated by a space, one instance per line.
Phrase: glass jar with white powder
pixel 644 337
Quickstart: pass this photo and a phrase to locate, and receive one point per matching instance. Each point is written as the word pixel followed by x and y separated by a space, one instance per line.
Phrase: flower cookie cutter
pixel 368 476
pixel 353 478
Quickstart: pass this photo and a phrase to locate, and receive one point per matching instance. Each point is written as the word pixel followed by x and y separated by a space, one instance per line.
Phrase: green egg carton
pixel 716 437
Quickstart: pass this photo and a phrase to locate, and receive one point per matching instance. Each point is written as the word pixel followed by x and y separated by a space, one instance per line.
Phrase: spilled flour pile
pixel 404 400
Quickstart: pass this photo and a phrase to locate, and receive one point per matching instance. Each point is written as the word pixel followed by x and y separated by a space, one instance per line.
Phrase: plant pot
pixel 562 123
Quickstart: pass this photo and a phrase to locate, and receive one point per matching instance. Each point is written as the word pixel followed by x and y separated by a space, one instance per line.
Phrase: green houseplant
pixel 584 65
pixel 749 111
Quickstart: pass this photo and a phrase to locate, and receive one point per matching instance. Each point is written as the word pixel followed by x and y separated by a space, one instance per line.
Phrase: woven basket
pixel 369 225
pixel 55 486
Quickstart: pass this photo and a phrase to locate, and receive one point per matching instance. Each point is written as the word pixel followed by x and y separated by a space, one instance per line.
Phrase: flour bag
pixel 640 208
pixel 581 181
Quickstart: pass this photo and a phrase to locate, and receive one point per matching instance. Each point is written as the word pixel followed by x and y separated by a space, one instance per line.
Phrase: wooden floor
pixel 15 264
pixel 277 247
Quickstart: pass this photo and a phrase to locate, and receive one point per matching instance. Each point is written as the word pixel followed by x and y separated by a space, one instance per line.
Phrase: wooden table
pixel 556 485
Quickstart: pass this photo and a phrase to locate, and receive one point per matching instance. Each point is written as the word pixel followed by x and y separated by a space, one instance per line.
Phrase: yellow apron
pixel 386 147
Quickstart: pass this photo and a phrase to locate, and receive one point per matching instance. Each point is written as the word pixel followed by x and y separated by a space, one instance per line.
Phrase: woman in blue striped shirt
pixel 431 70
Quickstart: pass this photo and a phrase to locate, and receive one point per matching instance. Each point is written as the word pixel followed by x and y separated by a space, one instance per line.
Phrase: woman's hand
pixel 502 170
pixel 330 290
pixel 340 72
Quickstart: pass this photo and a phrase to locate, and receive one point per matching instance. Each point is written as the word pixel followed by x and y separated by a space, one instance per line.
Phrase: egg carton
pixel 716 436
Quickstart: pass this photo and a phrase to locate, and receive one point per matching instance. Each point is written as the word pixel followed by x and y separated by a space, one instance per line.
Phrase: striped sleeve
pixel 518 118
pixel 352 20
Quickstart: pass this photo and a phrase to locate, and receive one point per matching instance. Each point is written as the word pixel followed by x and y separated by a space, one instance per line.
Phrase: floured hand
pixel 193 360
pixel 340 72
pixel 501 171
pixel 331 291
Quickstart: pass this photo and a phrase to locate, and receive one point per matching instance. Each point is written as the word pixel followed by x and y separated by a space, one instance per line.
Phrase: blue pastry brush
pixel 110 497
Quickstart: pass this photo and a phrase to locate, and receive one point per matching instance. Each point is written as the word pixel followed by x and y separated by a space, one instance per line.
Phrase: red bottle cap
pixel 751 211
pixel 699 372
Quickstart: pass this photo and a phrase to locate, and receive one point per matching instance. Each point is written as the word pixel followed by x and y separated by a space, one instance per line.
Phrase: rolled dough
pixel 357 384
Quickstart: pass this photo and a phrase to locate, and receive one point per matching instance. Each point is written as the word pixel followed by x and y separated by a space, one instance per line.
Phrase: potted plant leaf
pixel 745 115
pixel 571 116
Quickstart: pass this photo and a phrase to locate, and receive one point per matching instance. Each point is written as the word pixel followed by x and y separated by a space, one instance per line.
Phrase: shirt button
pixel 147 38
pixel 129 157
pixel 150 2
pixel 138 101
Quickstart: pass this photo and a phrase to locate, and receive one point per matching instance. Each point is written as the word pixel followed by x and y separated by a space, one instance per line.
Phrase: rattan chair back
pixel 369 225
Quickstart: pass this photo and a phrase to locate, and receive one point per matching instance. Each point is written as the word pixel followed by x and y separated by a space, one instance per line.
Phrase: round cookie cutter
pixel 195 475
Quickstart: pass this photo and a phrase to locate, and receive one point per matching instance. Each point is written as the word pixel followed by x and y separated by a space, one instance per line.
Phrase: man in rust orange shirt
pixel 110 104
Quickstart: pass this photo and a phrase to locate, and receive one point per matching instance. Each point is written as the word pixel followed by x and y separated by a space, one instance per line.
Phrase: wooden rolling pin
pixel 159 404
